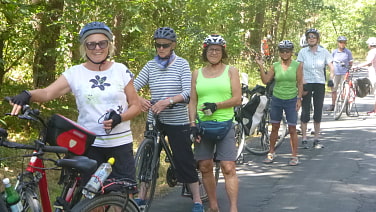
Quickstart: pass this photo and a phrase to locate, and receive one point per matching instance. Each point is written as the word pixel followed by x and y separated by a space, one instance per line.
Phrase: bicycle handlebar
pixel 38 146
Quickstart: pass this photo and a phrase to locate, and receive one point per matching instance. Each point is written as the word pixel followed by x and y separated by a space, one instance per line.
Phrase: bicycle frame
pixel 346 95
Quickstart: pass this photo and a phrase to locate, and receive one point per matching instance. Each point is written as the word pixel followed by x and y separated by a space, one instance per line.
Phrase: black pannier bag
pixel 252 112
pixel 363 87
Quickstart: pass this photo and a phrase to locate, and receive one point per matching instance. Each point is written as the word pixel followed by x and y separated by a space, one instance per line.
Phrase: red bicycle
pixel 346 95
pixel 32 184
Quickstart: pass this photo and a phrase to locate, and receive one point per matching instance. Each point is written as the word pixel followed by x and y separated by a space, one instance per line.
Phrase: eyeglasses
pixel 92 45
pixel 312 37
pixel 285 51
pixel 164 45
pixel 214 50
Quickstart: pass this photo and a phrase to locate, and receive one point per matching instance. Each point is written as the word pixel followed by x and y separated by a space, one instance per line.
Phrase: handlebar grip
pixel 55 149
pixel 15 145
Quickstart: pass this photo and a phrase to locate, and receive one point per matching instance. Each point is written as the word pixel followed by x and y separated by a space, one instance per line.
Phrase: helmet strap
pixel 98 63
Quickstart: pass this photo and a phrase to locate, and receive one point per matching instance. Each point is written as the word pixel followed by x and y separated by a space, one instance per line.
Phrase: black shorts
pixel 317 91
pixel 124 166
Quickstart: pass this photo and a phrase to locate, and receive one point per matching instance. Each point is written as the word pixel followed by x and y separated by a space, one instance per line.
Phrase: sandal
pixel 270 158
pixel 294 161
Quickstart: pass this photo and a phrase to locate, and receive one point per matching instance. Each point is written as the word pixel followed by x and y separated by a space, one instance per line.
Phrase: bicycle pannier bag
pixel 363 87
pixel 252 113
pixel 214 130
pixel 64 132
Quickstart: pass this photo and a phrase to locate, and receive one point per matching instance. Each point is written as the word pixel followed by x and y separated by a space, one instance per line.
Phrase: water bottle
pixel 12 197
pixel 98 178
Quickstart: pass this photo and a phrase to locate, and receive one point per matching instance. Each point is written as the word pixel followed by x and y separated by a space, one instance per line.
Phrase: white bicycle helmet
pixel 371 41
pixel 285 44
pixel 214 40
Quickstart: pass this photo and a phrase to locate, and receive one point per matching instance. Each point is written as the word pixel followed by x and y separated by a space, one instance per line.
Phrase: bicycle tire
pixel 351 101
pixel 146 177
pixel 3 205
pixel 239 139
pixel 261 145
pixel 30 201
pixel 341 101
pixel 108 202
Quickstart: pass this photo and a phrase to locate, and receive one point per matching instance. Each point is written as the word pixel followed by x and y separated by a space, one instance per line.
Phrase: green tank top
pixel 285 81
pixel 214 90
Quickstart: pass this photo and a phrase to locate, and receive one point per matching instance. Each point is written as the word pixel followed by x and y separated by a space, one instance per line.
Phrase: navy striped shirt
pixel 165 83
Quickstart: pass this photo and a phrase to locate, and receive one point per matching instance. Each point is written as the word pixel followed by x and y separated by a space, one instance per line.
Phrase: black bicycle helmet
pixel 341 38
pixel 165 33
pixel 285 44
pixel 95 28
pixel 314 31
pixel 214 40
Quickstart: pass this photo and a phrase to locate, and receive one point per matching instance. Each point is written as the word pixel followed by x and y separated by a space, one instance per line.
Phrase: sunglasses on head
pixel 164 45
pixel 92 45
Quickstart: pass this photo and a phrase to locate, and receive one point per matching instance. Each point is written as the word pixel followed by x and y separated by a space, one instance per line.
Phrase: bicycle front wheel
pixel 30 201
pixel 239 139
pixel 259 144
pixel 107 202
pixel 351 101
pixel 341 101
pixel 146 172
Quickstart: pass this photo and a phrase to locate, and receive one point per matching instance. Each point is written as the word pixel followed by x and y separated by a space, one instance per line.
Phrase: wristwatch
pixel 171 101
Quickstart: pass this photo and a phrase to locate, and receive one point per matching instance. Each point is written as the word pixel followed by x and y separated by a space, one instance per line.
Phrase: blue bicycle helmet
pixel 341 38
pixel 165 33
pixel 214 40
pixel 95 28
pixel 285 44
pixel 314 31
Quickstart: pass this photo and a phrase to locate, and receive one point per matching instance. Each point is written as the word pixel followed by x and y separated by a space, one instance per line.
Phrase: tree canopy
pixel 39 38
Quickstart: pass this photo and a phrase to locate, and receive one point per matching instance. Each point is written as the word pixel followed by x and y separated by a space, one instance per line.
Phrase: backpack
pixel 363 87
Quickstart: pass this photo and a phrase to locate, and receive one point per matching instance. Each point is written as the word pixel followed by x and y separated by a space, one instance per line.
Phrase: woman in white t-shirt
pixel 99 86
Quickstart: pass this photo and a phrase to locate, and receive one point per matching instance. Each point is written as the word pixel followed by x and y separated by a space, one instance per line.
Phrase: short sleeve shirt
pixel 341 60
pixel 314 64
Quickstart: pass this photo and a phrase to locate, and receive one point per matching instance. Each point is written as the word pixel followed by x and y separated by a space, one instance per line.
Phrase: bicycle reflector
pixel 64 132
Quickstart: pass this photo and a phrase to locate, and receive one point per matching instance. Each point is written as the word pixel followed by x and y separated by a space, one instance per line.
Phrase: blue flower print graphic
pixel 99 82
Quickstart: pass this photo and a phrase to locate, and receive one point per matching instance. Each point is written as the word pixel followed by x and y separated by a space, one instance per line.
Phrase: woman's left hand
pixel 160 106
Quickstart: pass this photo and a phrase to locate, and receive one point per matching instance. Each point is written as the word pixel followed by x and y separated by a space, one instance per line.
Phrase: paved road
pixel 339 178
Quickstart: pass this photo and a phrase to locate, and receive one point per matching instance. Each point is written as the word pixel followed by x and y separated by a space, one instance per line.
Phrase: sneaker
pixel 198 207
pixel 305 144
pixel 140 202
pixel 330 108
pixel 317 144
pixel 270 158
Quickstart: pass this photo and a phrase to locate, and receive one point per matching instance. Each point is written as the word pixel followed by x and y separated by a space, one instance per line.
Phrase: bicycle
pixel 346 94
pixel 148 161
pixel 259 143
pixel 73 141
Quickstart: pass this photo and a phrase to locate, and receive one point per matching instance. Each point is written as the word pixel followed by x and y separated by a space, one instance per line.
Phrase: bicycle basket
pixel 64 132
pixel 363 87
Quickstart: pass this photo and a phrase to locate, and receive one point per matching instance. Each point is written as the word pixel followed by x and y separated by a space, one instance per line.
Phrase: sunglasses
pixel 92 45
pixel 164 45
pixel 285 51
pixel 312 36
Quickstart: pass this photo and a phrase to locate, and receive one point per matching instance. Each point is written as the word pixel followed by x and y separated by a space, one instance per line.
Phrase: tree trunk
pixel 48 29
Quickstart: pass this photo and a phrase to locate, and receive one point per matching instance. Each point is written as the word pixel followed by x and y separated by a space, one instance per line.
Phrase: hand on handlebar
pixel 160 105
pixel 18 101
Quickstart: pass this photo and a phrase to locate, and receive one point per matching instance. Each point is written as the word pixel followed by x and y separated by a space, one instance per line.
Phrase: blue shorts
pixel 279 105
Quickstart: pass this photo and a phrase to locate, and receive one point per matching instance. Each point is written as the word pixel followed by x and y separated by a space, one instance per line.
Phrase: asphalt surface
pixel 338 178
